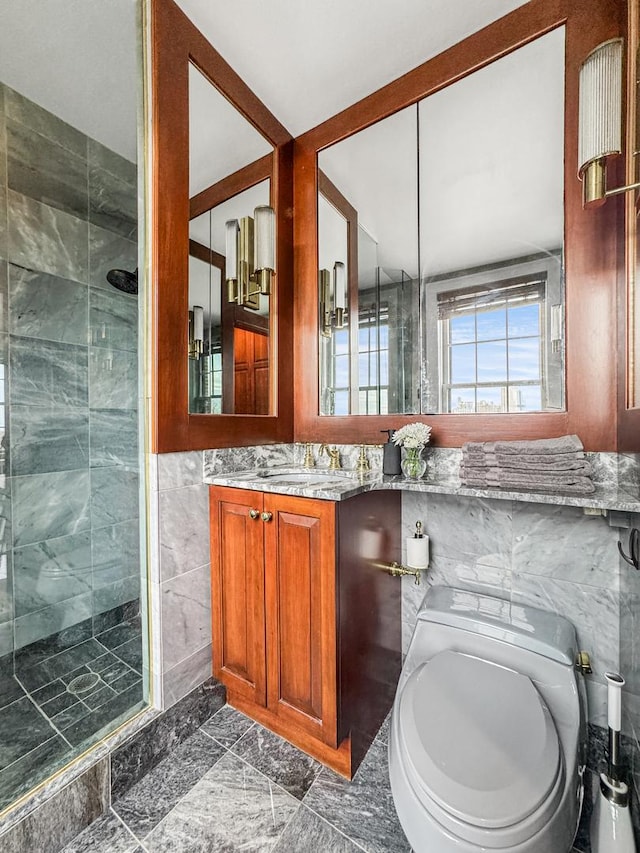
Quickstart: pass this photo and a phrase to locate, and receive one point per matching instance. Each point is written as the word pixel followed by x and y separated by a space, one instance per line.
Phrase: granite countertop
pixel 323 484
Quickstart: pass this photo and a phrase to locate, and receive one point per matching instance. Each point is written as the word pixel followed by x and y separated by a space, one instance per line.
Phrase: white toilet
pixel 488 729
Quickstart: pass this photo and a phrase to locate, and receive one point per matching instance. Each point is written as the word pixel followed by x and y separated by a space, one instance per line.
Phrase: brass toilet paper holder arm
pixel 396 570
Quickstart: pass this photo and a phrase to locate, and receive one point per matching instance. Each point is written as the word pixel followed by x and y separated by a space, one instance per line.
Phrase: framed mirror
pixel 222 333
pixel 576 356
pixel 438 187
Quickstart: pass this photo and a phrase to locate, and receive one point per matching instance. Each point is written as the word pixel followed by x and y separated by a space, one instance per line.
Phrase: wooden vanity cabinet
pixel 306 626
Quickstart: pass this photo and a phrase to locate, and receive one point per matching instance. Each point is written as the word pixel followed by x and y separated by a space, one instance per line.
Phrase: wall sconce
pixel 333 315
pixel 600 121
pixel 196 332
pixel 250 256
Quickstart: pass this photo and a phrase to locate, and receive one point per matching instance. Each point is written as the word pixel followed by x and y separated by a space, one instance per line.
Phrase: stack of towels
pixel 546 465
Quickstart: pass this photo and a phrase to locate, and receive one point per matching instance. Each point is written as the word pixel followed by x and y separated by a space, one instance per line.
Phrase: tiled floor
pixel 48 713
pixel 234 786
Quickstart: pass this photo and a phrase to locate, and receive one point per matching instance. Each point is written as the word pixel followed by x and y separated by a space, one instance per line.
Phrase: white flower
pixel 412 435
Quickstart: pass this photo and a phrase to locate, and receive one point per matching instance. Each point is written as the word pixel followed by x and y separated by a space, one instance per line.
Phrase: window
pixel 492 344
pixel 373 359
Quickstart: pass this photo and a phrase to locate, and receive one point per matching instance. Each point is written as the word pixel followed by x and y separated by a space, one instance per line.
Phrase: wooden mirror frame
pixel 592 244
pixel 629 414
pixel 175 42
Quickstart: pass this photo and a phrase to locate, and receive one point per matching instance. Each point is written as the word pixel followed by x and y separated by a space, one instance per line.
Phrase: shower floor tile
pixel 22 729
pixel 45 719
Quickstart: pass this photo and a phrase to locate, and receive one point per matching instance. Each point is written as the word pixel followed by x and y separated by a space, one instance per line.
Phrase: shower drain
pixel 82 683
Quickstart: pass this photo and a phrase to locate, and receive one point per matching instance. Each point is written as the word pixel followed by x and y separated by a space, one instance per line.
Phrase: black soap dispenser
pixel 390 455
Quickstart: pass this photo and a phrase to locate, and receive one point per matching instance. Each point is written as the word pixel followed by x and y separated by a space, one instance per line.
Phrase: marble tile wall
pixel 69 460
pixel 180 574
pixel 630 647
pixel 553 557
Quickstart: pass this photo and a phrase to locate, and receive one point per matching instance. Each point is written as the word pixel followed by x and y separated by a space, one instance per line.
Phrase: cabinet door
pixel 300 587
pixel 237 590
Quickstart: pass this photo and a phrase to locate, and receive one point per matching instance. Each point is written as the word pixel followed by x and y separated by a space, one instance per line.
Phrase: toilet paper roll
pixel 418 553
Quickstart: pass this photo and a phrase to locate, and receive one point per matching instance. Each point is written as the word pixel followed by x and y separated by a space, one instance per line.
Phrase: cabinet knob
pixel 253 513
pixel 266 516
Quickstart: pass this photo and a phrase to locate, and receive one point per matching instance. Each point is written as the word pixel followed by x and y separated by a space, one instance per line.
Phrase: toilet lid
pixel 480 738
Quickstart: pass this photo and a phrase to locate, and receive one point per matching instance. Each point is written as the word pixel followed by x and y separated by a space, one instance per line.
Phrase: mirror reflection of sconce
pixel 333 300
pixel 600 121
pixel 196 332
pixel 250 256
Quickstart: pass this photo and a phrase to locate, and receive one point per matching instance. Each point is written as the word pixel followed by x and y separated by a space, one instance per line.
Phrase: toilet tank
pixel 518 625
pixel 537 643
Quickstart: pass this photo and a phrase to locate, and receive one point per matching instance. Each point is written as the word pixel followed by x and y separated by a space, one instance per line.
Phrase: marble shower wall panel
pixel 68 214
pixel 553 557
pixel 181 573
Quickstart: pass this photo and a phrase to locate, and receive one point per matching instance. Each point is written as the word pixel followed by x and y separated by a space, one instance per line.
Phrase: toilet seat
pixel 480 748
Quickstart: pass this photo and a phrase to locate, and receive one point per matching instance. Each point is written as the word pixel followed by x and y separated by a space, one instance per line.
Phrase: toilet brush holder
pixel 611 828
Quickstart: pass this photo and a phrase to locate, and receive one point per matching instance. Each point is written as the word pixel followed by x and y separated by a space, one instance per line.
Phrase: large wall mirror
pixel 452 212
pixel 504 287
pixel 222 229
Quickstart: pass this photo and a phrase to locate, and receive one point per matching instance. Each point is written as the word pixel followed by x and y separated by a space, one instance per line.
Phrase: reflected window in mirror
pixel 491 155
pixel 499 338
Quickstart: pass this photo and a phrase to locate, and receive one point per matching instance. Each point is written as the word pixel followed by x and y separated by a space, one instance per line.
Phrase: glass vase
pixel 413 465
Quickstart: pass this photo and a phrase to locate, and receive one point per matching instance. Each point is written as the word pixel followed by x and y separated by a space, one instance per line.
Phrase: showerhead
pixel 124 280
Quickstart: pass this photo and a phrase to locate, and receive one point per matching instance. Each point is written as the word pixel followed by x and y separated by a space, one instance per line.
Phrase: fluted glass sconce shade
pixel 600 119
pixel 196 331
pixel 265 236
pixel 250 256
pixel 333 298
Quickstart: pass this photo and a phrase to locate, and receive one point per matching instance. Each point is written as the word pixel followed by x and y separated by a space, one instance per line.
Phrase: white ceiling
pixel 308 60
pixel 78 59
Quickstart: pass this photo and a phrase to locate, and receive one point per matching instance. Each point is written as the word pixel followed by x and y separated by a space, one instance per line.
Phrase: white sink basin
pixel 305 478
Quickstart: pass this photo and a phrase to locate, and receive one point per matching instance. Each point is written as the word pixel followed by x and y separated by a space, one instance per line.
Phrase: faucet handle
pixel 363 463
pixel 309 461
pixel 334 456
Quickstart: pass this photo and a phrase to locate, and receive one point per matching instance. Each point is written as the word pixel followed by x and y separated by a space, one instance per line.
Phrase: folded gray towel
pixel 563 444
pixel 535 447
pixel 479 447
pixel 540 462
pixel 581 486
pixel 557 461
pixel 525 465
pixel 486 475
